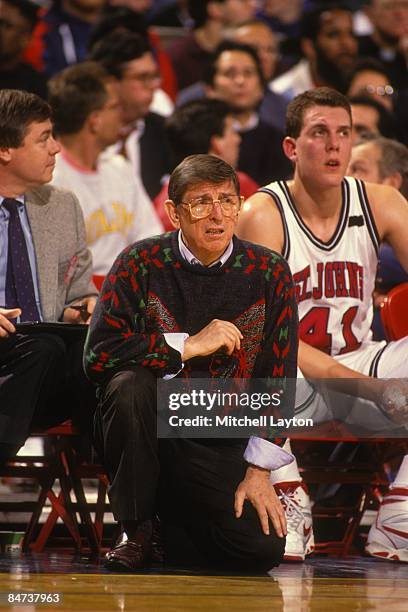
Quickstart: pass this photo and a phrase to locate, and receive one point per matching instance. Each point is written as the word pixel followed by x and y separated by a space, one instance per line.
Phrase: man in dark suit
pixel 129 58
pixel 45 275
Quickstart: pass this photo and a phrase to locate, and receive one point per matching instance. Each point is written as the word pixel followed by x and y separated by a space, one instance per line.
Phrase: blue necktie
pixel 19 281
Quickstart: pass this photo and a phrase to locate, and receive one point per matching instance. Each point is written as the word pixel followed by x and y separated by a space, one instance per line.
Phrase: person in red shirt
pixel 202 126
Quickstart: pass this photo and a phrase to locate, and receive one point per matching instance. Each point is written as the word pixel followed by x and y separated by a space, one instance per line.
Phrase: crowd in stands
pixel 136 86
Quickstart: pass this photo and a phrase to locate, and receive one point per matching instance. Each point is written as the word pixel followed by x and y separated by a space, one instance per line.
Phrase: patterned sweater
pixel 151 290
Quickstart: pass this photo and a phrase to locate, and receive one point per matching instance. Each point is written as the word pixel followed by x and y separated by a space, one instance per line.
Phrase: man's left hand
pixel 81 311
pixel 258 489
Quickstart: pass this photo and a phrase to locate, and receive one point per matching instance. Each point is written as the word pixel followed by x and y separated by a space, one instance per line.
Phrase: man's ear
pixel 214 10
pixel 93 121
pixel 394 180
pixel 5 155
pixel 172 213
pixel 308 49
pixel 209 91
pixel 214 146
pixel 289 148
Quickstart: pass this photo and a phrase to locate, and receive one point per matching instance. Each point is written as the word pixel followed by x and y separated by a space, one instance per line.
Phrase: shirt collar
pixel 20 199
pixel 250 125
pixel 192 259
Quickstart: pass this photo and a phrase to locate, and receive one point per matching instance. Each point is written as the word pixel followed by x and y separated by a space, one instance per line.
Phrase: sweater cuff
pixel 265 454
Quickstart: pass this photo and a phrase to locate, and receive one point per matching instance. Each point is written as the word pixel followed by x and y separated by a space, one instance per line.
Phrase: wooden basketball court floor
pixel 320 584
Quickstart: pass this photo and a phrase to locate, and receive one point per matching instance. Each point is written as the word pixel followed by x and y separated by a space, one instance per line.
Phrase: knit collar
pixel 188 256
pixel 215 270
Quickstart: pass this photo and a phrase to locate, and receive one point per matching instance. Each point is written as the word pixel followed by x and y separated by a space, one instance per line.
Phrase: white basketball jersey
pixel 334 279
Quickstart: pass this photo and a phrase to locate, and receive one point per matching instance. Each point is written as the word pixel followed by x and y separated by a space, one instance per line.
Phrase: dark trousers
pixel 191 482
pixel 41 384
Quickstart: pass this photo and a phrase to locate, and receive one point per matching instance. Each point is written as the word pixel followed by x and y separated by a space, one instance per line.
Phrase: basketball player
pixel 329 228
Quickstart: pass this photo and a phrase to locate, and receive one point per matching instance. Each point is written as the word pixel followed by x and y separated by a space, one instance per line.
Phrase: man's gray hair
pixel 393 159
pixel 198 169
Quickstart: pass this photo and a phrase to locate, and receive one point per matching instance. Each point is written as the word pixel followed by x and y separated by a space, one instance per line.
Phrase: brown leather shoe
pixel 127 556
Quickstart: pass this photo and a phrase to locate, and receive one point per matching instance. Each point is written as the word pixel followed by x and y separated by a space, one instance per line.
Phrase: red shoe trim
pixel 397 491
pixel 397 532
pixel 291 485
pixel 293 558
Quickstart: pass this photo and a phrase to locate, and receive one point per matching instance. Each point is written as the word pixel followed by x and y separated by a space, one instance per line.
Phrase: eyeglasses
pixel 202 207
pixel 233 73
pixel 386 90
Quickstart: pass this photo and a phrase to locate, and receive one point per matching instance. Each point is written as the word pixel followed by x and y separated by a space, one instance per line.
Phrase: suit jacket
pixel 154 154
pixel 64 263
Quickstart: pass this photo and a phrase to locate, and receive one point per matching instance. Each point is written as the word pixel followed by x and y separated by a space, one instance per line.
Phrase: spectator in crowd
pixel 235 76
pixel 257 35
pixel 329 47
pixel 120 18
pixel 61 36
pixel 17 21
pixel 129 58
pixel 166 307
pixel 203 126
pixel 388 42
pixel 329 228
pixel 173 14
pixel 192 54
pixel 87 119
pixel 384 161
pixel 139 6
pixel 401 116
pixel 370 117
pixel 284 18
pixel 368 77
pixel 45 275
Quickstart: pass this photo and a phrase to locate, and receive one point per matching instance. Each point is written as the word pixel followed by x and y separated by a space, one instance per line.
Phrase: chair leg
pixel 45 485
pixel 100 509
pixel 82 503
pixel 58 510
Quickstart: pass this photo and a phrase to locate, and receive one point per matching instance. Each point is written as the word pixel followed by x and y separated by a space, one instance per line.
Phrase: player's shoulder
pixel 260 220
pixel 261 206
pixel 381 193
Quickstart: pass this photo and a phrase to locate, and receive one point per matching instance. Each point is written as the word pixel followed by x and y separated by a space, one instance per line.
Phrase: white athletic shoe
pixel 388 536
pixel 298 510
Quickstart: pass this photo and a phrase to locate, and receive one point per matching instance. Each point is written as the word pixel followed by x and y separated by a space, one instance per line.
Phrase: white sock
pixel 401 479
pixel 287 473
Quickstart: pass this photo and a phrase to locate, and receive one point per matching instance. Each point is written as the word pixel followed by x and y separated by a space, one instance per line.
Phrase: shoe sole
pixel 294 558
pixel 390 554
pixel 114 566
pixel 299 557
pixel 118 566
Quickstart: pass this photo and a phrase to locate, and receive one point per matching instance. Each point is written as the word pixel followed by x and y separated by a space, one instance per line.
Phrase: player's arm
pixel 260 222
pixel 390 210
pixel 315 365
pixel 391 395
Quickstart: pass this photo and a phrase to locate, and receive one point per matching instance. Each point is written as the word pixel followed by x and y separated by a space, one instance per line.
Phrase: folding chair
pixel 393 311
pixel 65 466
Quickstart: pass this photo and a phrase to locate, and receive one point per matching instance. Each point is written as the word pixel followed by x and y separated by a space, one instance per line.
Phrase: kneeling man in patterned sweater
pixel 198 303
